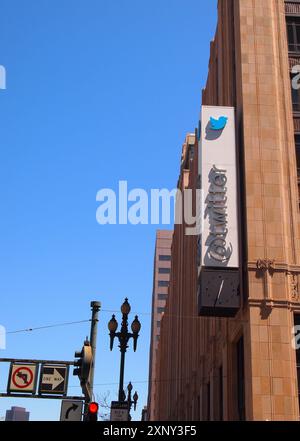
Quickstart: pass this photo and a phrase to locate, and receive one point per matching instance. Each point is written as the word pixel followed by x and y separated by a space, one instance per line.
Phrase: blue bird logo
pixel 218 124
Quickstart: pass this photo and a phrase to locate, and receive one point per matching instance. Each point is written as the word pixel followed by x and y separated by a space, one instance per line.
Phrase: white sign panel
pixel 53 379
pixel 71 410
pixel 217 168
pixel 22 378
pixel 119 411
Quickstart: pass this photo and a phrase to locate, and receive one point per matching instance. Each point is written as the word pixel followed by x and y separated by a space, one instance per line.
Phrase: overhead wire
pixel 37 328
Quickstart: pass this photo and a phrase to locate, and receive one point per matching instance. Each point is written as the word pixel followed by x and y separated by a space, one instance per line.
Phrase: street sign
pixel 22 378
pixel 119 411
pixel 54 379
pixel 71 410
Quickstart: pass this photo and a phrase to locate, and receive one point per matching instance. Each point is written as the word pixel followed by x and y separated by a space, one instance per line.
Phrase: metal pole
pixel 121 384
pixel 93 339
pixel 34 361
pixel 46 397
pixel 93 342
pixel 129 403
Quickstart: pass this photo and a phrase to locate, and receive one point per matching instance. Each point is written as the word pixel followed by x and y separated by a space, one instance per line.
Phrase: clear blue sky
pixel 97 91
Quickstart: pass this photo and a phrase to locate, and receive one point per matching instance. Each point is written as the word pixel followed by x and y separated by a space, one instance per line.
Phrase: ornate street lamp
pixel 124 336
pixel 131 401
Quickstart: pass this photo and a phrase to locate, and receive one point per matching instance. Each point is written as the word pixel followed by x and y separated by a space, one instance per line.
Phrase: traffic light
pixel 83 366
pixel 92 414
pixel 78 363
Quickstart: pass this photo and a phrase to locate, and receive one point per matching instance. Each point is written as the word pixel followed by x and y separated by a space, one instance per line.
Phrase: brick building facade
pixel 161 280
pixel 243 368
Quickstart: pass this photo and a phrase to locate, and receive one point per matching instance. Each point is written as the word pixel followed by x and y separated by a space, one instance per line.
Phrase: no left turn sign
pixel 22 378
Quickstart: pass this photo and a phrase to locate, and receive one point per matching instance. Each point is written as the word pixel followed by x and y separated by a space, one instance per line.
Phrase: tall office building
pixel 226 350
pixel 161 280
pixel 17 414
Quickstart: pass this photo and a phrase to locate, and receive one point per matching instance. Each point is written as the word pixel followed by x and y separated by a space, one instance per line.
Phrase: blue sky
pixel 97 92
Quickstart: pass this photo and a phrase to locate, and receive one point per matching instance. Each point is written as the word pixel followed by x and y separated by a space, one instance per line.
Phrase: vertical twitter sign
pixel 217 167
pixel 219 240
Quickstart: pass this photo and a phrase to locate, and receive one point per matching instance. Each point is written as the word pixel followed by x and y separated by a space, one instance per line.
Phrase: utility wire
pixel 47 326
pixel 116 311
pixel 168 380
pixel 149 313
pixel 189 317
pixel 86 321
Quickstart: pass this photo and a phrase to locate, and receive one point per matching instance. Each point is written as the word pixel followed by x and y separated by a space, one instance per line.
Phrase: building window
pixel 297 323
pixel 157 337
pixel 164 270
pixel 192 152
pixel 295 97
pixel 293 33
pixel 164 258
pixel 199 250
pixel 162 296
pixel 160 310
pixel 158 324
pixel 163 283
pixel 240 379
pixel 208 401
pixel 297 144
pixel 221 393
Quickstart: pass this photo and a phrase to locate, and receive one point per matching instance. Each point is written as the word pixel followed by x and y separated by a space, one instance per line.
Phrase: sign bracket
pixel 48 397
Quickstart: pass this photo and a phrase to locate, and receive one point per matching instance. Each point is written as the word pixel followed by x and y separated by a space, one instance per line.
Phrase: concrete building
pixel 17 414
pixel 244 367
pixel 161 279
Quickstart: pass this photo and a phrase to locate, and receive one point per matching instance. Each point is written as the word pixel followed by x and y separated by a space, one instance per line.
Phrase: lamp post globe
pixel 125 308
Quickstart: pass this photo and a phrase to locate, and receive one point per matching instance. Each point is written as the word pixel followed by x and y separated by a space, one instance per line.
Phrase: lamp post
pixel 132 401
pixel 123 336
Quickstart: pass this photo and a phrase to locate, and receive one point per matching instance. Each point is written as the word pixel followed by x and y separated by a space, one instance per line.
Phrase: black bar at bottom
pixel 144 430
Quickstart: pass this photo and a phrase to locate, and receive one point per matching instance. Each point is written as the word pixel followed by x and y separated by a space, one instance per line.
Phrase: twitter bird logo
pixel 218 124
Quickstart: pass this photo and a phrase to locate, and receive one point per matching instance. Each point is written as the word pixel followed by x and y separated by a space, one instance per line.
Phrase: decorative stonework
pixel 294 286
pixel 292 8
pixel 265 265
pixel 294 61
pixel 297 124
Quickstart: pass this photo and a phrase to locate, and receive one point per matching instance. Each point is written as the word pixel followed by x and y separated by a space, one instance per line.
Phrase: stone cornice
pixel 273 266
pixel 271 303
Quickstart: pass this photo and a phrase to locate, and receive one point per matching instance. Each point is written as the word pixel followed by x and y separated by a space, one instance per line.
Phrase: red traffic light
pixel 93 408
